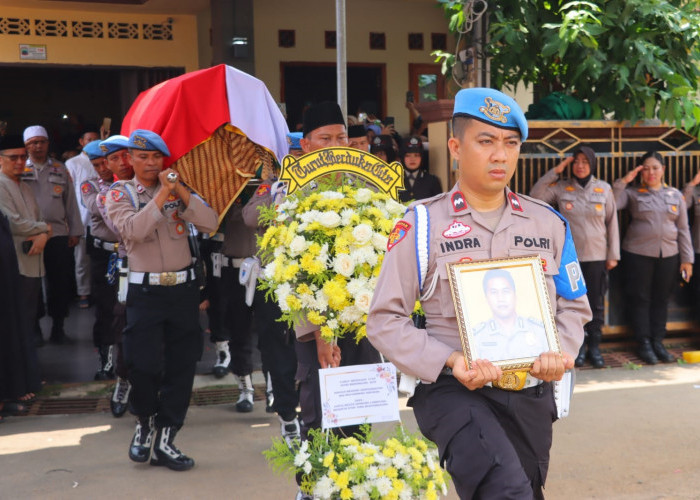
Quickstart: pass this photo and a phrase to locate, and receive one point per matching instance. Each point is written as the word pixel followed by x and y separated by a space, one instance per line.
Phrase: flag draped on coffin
pixel 220 124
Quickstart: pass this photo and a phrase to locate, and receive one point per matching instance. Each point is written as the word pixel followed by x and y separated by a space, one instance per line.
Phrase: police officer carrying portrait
pixel 101 246
pixel 54 191
pixel 507 335
pixel 490 451
pixel 162 339
pixel 588 204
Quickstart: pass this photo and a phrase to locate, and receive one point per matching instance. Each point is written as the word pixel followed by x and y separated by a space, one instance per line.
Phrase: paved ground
pixel 633 434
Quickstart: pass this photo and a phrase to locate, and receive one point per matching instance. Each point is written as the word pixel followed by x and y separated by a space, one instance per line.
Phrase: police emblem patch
pixel 117 195
pixel 599 207
pixel 262 190
pixel 57 189
pixel 494 110
pixel 180 228
pixel 86 187
pixel 456 229
pixel 101 200
pixel 103 148
pixel 139 141
pixel 544 264
pixel 515 202
pixel 172 197
pixel 458 202
pixel 674 208
pixel 397 234
pixel 140 189
pixel 569 205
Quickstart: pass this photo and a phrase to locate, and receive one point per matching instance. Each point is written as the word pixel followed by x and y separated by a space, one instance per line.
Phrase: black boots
pixel 581 358
pixel 594 355
pixel 165 453
pixel 140 448
pixel 120 397
pixel 646 353
pixel 661 352
pixel 106 370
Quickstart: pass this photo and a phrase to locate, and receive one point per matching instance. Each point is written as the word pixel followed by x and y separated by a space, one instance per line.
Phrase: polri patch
pixel 515 202
pixel 262 190
pixel 456 229
pixel 87 188
pixel 458 202
pixel 172 197
pixel 397 234
pixel 180 228
pixel 569 205
pixel 57 189
pixel 117 195
pixel 139 188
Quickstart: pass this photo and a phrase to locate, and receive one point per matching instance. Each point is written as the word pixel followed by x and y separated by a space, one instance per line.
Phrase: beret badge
pixel 494 110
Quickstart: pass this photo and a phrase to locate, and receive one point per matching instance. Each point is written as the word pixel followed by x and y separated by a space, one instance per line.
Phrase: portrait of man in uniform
pixel 510 322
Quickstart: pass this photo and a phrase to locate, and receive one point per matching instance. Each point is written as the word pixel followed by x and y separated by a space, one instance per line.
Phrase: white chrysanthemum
pixel 282 292
pixel 281 217
pixel 406 493
pixel 362 233
pixel 363 300
pixel 359 492
pixel 379 241
pixel 344 264
pixel 402 462
pixel 363 195
pixel 298 245
pixel 324 488
pixel 287 205
pixel 372 472
pixel 332 324
pixel 383 485
pixel 394 207
pixel 310 216
pixel 300 458
pixel 321 303
pixel 345 216
pixel 332 195
pixel 329 219
pixel 307 467
pixel 280 250
pixel 350 314
pixel 356 284
pixel 323 254
pixel 365 254
pixel 269 270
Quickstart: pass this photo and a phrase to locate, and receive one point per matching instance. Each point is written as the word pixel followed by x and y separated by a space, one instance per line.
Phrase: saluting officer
pixel 101 244
pixel 589 206
pixel 55 194
pixel 489 449
pixel 151 213
pixel 656 249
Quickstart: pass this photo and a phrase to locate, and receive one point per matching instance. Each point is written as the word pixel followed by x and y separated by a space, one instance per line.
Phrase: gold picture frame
pixel 503 311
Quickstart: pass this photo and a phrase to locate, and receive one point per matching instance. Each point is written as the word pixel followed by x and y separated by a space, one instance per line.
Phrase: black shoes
pixel 106 370
pixel 165 453
pixel 581 358
pixel 661 352
pixel 647 353
pixel 223 359
pixel 120 397
pixel 245 395
pixel 140 448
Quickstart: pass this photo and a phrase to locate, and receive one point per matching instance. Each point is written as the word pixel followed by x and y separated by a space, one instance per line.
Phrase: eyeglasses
pixel 14 158
pixel 38 142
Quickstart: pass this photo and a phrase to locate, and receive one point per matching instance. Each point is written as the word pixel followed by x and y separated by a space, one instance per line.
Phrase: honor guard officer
pixel 293 140
pixel 101 246
pixel 418 181
pixel 116 153
pixel 151 213
pixel 490 450
pixel 324 126
pixel 55 194
pixel 589 206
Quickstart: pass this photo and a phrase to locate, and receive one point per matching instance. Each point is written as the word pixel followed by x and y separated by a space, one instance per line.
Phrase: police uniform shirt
pixel 155 239
pixel 18 203
pixel 457 232
pixel 53 189
pixel 591 213
pixel 81 170
pixel 495 343
pixel 658 221
pixel 424 186
pixel 239 239
pixel 692 200
pixel 94 194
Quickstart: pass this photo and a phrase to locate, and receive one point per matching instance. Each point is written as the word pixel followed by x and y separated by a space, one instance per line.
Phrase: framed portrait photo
pixel 503 311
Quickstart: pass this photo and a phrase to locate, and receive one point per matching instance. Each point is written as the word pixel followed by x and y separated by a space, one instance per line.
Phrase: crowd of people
pixel 120 231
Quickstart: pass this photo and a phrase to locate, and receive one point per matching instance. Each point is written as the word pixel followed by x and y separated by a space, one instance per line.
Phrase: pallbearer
pixel 151 213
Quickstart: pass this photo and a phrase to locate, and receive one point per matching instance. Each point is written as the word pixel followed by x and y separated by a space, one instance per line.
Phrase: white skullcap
pixel 35 131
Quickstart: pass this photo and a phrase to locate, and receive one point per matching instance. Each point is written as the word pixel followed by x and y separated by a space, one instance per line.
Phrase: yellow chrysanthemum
pixel 315 318
pixel 343 479
pixel 328 459
pixel 345 494
pixel 293 302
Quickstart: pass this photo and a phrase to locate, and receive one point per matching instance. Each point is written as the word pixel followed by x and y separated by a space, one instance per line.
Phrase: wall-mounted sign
pixel 32 52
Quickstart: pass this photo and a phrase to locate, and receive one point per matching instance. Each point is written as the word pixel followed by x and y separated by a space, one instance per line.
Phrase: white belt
pixel 162 279
pixel 104 245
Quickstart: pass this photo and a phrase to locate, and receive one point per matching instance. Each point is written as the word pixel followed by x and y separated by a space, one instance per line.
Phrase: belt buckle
pixel 168 278
pixel 513 380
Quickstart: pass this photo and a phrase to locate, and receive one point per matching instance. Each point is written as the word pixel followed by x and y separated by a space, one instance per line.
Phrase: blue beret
pixel 114 143
pixel 293 139
pixel 492 107
pixel 147 141
pixel 92 149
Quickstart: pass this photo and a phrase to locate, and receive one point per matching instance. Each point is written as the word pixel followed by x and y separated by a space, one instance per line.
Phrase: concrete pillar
pixel 232 37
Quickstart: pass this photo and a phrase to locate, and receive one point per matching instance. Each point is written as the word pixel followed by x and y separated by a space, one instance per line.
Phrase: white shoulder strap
pixel 422 243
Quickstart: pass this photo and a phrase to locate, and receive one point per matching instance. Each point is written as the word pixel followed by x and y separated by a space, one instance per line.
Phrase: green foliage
pixel 631 365
pixel 630 59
